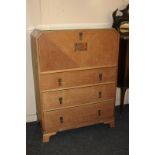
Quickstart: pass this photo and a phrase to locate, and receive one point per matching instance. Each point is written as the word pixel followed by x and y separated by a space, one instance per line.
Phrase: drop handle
pixel 81 35
pixel 61 120
pixel 99 94
pixel 60 100
pixel 99 112
pixel 100 77
pixel 60 82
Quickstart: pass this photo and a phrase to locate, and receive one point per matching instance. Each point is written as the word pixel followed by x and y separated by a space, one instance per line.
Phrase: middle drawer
pixel 77 96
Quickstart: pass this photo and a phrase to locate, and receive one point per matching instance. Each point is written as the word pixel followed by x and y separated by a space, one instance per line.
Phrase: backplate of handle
pixel 60 82
pixel 60 100
pixel 100 76
pixel 61 119
pixel 99 94
pixel 99 112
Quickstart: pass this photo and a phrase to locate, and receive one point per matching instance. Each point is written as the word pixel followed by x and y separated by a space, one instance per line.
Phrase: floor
pixel 92 140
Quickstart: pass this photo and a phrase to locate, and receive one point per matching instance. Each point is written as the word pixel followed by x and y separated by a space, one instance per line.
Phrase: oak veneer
pixel 77 96
pixel 75 75
pixel 77 78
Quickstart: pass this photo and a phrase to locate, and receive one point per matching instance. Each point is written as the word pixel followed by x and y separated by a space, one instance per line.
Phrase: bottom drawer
pixel 78 116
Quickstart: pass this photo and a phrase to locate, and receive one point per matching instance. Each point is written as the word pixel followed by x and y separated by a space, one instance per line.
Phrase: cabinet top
pixel 38 32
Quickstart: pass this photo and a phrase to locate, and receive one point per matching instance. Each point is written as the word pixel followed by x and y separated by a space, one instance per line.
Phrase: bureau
pixel 75 75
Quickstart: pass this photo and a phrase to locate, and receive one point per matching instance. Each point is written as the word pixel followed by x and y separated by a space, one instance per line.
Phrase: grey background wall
pixel 64 14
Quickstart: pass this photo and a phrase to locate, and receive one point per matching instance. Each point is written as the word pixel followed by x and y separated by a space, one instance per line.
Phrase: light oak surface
pixel 77 78
pixel 75 75
pixel 78 96
pixel 72 117
pixel 57 49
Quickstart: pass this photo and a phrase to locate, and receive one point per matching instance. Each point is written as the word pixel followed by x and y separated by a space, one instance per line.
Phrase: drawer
pixel 95 112
pixel 77 78
pixel 60 119
pixel 77 96
pixel 78 116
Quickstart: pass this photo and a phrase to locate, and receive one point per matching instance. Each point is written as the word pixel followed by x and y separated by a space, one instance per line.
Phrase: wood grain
pixel 71 97
pixel 73 117
pixel 77 78
pixel 56 49
pixel 75 86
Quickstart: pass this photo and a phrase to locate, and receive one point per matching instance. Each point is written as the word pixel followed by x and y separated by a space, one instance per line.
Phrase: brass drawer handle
pixel 60 82
pixel 100 76
pixel 99 94
pixel 99 112
pixel 61 120
pixel 81 35
pixel 60 100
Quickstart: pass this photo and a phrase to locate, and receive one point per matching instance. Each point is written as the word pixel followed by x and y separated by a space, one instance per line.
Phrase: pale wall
pixel 51 14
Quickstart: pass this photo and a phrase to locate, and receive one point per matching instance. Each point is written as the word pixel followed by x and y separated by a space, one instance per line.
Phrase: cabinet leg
pixel 46 136
pixel 112 124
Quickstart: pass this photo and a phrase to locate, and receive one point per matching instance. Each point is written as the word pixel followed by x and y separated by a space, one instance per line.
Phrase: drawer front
pixel 65 49
pixel 72 97
pixel 76 78
pixel 96 112
pixel 78 116
pixel 59 119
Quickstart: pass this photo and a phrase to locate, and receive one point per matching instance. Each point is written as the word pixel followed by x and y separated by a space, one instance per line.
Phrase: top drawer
pixel 77 78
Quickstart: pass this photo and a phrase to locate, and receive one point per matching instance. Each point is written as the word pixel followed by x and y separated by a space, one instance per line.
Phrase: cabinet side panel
pixel 36 75
pixel 117 54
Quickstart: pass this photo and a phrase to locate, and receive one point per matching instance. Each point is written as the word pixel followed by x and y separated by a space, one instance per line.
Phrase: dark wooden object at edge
pixel 123 60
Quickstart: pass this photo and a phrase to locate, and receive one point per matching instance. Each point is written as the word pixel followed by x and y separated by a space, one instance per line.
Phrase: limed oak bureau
pixel 75 74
